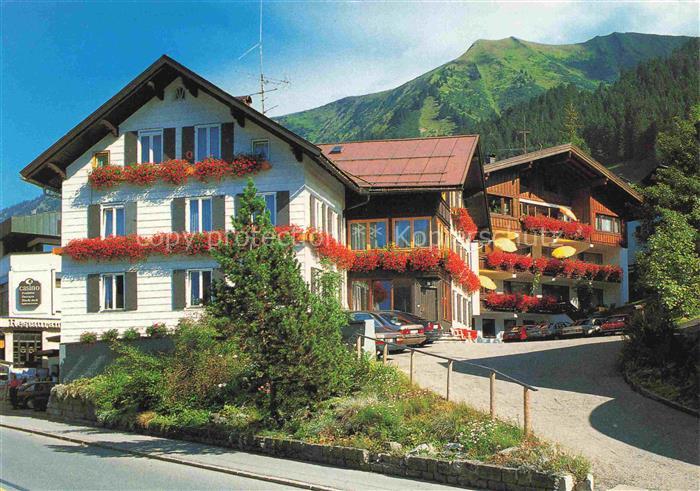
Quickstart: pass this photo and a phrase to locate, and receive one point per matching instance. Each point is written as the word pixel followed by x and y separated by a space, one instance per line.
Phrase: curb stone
pixel 656 397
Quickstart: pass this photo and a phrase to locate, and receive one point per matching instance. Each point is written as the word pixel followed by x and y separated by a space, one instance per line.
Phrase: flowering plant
pixel 464 222
pixel 571 268
pixel 551 226
pixel 521 303
pixel 175 171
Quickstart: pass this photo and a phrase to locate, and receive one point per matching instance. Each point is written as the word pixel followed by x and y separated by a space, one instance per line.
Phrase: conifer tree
pixel 296 350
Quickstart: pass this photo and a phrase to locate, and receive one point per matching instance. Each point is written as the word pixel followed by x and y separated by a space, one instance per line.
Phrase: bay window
pixel 368 234
pixel 207 141
pixel 199 215
pixel 112 291
pixel 412 232
pixel 151 146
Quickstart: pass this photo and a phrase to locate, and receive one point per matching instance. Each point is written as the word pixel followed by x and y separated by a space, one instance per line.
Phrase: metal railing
pixel 493 373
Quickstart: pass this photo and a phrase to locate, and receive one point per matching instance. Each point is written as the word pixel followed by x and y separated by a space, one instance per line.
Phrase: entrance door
pixel 428 304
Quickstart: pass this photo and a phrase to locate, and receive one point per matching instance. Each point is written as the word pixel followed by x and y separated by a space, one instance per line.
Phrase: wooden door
pixel 428 306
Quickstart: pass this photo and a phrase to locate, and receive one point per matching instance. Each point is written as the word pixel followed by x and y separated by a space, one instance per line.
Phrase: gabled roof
pixel 436 163
pixel 588 164
pixel 48 169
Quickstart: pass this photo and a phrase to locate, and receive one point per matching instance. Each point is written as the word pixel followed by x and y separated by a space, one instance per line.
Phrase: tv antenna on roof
pixel 278 83
pixel 524 132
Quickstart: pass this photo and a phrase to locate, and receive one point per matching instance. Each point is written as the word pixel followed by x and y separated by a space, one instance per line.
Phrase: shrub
pixel 157 330
pixel 109 335
pixel 88 337
pixel 131 334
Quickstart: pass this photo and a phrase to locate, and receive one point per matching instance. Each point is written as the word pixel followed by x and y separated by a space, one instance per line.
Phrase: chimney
pixel 245 99
pixel 492 158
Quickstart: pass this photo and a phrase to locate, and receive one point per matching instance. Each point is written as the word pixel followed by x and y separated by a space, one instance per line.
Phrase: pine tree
pixel 295 348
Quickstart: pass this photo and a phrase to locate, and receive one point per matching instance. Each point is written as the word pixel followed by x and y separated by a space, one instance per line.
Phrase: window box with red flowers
pixel 516 302
pixel 543 225
pixel 570 268
pixel 176 172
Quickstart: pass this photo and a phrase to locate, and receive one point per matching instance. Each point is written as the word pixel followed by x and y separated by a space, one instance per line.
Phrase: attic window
pixel 337 149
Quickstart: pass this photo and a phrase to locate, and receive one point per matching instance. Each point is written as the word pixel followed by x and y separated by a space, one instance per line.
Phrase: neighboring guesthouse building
pixel 423 197
pixel 115 275
pixel 541 201
pixel 30 286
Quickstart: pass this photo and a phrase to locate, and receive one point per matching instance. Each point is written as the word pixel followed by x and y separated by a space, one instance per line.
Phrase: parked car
pixel 535 332
pixel 614 324
pixel 554 329
pixel 515 333
pixel 583 327
pixel 410 335
pixel 34 395
pixel 432 330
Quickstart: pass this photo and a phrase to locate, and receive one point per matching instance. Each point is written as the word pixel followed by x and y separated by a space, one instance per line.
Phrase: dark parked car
pixel 614 324
pixel 432 330
pixel 515 333
pixel 411 335
pixel 34 395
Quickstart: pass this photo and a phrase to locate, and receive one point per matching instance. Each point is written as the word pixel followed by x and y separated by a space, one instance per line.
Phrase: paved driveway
pixel 583 404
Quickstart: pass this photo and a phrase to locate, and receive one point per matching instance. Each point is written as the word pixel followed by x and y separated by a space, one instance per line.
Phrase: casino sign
pixel 29 293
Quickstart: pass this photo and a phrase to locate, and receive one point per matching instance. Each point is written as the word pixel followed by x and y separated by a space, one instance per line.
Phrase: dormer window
pixel 151 146
pixel 208 141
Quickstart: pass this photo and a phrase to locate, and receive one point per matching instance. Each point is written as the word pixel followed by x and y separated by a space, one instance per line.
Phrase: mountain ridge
pixel 489 77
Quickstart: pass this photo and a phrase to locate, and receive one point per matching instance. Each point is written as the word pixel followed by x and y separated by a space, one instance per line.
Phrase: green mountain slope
pixel 489 78
pixel 619 122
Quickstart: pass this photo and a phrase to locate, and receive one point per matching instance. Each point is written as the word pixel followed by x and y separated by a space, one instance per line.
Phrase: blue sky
pixel 60 61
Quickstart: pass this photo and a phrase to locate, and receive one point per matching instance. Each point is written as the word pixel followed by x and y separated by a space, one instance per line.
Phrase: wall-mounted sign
pixel 29 323
pixel 29 293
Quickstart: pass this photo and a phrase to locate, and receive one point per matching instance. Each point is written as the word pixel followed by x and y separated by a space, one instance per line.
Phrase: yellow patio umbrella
pixel 506 245
pixel 567 211
pixel 487 282
pixel 563 252
pixel 506 234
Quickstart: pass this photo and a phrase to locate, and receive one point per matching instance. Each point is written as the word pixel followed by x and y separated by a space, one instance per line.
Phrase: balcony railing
pixel 517 302
pixel 569 268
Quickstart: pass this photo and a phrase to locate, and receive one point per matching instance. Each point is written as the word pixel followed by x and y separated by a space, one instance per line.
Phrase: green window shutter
pixel 188 143
pixel 130 147
pixel 282 200
pixel 312 210
pixel 178 214
pixel 93 225
pixel 340 228
pixel 227 142
pixel 178 288
pixel 93 293
pixel 130 217
pixel 131 290
pixel 168 143
pixel 218 211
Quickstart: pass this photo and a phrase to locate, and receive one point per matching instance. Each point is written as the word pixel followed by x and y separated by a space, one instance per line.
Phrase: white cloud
pixel 361 47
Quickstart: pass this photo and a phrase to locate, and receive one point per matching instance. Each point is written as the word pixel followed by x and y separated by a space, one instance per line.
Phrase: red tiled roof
pixel 439 162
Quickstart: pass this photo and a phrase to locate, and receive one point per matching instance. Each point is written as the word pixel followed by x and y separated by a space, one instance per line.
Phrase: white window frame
pixel 201 216
pixel 260 140
pixel 112 278
pixel 103 219
pixel 188 289
pixel 150 134
pixel 208 152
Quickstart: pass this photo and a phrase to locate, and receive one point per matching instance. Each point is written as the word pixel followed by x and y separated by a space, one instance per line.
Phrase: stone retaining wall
pixel 465 473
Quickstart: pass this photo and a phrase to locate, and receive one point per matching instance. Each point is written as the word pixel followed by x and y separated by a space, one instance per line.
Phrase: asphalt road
pixel 33 462
pixel 583 404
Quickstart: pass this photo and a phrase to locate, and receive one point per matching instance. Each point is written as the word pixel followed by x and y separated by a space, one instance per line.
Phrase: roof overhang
pixel 49 169
pixel 594 167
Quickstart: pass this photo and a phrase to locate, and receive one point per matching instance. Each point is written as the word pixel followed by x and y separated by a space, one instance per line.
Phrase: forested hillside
pixel 618 122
